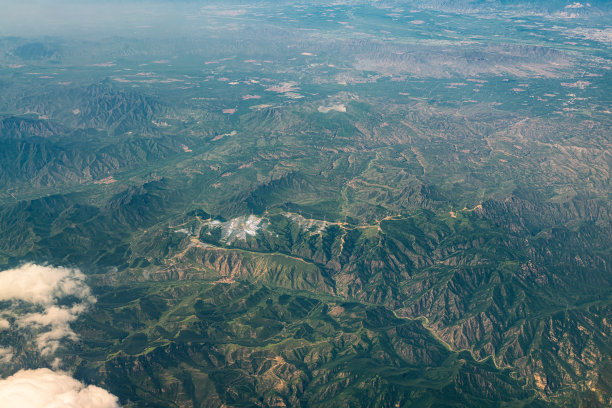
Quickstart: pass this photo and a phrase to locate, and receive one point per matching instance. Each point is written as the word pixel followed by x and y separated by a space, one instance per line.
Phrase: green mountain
pixel 358 204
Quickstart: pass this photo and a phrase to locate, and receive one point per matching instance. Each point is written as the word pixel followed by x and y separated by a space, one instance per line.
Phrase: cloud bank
pixel 44 388
pixel 44 300
pixel 42 284
pixel 39 290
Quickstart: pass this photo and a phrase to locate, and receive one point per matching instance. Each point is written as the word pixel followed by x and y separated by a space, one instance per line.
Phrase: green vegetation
pixel 343 205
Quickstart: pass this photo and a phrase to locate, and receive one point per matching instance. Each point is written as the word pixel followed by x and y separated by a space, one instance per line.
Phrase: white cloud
pixel 41 287
pixel 43 388
pixel 35 292
pixel 575 5
pixel 42 284
pixel 58 319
